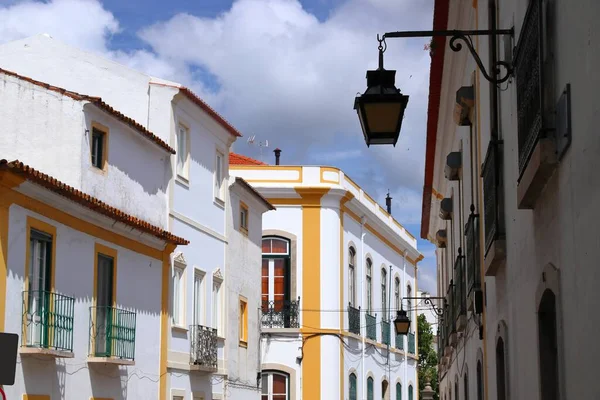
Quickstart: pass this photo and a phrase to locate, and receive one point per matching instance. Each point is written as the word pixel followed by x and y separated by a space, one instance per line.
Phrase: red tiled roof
pixel 97 101
pixel 18 168
pixel 440 22
pixel 238 159
pixel 210 111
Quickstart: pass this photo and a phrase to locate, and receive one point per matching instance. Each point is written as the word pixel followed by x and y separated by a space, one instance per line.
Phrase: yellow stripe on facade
pixel 164 322
pixel 347 197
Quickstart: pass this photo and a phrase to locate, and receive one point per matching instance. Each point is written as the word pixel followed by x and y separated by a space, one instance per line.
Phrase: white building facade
pixel 335 269
pixel 189 197
pixel 510 178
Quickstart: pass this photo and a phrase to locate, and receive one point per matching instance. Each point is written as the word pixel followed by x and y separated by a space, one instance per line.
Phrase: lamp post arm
pixel 428 301
pixel 465 37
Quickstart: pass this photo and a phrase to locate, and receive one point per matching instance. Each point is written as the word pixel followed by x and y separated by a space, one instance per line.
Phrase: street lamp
pixel 402 322
pixel 381 108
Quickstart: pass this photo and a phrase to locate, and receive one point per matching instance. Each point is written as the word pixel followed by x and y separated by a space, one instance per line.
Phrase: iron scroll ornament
pixel 429 302
pixel 456 47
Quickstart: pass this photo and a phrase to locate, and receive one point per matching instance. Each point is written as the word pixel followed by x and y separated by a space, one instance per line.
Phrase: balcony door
pixel 275 276
pixel 104 305
pixel 38 292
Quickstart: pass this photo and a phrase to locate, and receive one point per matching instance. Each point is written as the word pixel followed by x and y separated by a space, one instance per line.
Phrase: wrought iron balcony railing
pixel 492 201
pixel 449 316
pixel 112 333
pixel 473 261
pixel 385 332
pixel 400 342
pixel 411 343
pixel 203 346
pixel 459 295
pixel 354 320
pixel 47 320
pixel 371 323
pixel 529 78
pixel 280 314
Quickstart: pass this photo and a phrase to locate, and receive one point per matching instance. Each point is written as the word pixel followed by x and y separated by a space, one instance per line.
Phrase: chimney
pixel 277 152
pixel 388 203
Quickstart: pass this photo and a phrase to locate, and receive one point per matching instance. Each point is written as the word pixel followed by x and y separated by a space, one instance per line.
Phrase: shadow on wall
pixel 108 382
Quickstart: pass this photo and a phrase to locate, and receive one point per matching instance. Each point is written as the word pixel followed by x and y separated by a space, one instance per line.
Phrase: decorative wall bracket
pixel 466 37
pixel 439 311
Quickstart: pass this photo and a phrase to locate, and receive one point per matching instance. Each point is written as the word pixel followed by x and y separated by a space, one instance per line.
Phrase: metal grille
pixel 459 297
pixel 112 332
pixel 528 68
pixel 400 342
pixel 203 346
pixel 277 314
pixel 450 312
pixel 354 319
pixel 411 343
pixel 473 261
pixel 385 332
pixel 490 194
pixel 48 320
pixel 371 322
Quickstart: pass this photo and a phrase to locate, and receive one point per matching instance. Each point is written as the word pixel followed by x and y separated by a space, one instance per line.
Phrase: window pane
pixel 265 384
pixel 266 246
pixel 398 391
pixel 279 246
pixel 279 384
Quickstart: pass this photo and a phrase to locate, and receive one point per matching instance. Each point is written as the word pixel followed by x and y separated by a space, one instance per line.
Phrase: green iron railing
pixel 411 343
pixel 112 333
pixel 354 319
pixel 400 342
pixel 385 332
pixel 47 320
pixel 371 322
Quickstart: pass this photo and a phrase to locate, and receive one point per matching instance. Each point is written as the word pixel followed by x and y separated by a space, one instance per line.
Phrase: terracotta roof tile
pixel 18 168
pixel 238 159
pixel 210 111
pixel 97 101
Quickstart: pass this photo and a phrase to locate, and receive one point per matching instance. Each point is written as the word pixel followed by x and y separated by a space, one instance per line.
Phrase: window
pixel 369 287
pixel 352 386
pixel 548 346
pixel 456 388
pixel 384 294
pixel 397 293
pixel 182 151
pixel 178 296
pixel 466 386
pixel 479 381
pixel 243 217
pixel 500 370
pixel 99 149
pixel 198 297
pixel 398 391
pixel 216 302
pixel 105 299
pixel 410 392
pixel 351 276
pixel 370 388
pixel 243 321
pixel 219 176
pixel 384 390
pixel 275 274
pixel 275 385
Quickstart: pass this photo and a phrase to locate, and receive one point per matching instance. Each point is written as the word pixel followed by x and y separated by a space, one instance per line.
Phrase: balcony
pixel 385 332
pixel 47 324
pixel 400 342
pixel 493 209
pixel 474 292
pixel 354 320
pixel 203 348
pixel 411 343
pixel 537 150
pixel 371 323
pixel 280 314
pixel 450 316
pixel 460 296
pixel 112 335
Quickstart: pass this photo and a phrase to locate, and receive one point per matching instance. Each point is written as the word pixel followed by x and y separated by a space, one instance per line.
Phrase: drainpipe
pixel 363 220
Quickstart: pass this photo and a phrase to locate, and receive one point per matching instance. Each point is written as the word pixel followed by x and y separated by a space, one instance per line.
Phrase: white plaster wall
pixel 41 128
pixel 138 282
pixel 49 60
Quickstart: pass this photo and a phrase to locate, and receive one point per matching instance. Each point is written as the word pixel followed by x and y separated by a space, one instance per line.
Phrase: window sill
pixel 244 344
pixel 182 181
pixel 219 203
pixel 179 328
pixel 536 173
pixel 23 351
pixel 494 259
pixel 110 360
pixel 244 231
pixel 99 171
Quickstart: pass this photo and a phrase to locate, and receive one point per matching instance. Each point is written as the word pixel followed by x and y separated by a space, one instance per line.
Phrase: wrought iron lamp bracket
pixel 466 38
pixel 439 311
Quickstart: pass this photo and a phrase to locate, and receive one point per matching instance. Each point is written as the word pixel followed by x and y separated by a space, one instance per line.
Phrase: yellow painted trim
pixel 11 196
pixel 385 240
pixel 33 223
pixel 244 321
pixel 311 272
pixel 272 167
pixel 352 183
pixel 101 398
pixel 3 260
pixel 9 181
pixel 437 194
pixel 164 322
pixel 369 198
pixel 36 397
pixel 244 207
pixel 347 197
pixel 105 141
pixel 329 169
pixel 292 201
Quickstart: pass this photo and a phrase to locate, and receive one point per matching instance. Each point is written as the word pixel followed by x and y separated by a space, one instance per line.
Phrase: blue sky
pixel 286 71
